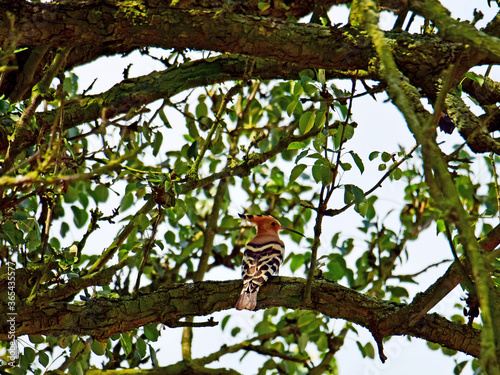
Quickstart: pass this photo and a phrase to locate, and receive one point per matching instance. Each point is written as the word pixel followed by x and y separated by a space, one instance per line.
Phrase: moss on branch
pixel 103 317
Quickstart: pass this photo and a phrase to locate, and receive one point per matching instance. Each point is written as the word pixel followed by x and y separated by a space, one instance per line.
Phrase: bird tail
pixel 247 300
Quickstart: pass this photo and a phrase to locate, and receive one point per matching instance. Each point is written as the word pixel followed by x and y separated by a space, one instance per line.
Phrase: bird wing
pixel 260 261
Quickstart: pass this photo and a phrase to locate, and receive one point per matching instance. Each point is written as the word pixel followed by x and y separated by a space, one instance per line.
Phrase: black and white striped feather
pixel 262 258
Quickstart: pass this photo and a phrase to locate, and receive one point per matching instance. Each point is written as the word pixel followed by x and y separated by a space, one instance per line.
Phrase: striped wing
pixel 260 261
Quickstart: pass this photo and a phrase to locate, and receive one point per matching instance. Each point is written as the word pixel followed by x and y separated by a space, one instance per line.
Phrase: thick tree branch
pixel 103 317
pixel 425 301
pixel 313 46
pixel 458 31
pixel 441 186
pixel 138 92
pixel 474 131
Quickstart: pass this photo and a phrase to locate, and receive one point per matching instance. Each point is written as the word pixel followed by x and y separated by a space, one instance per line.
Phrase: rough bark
pixel 103 317
pixel 120 27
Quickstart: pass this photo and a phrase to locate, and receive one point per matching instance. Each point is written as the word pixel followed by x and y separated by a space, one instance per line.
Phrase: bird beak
pixel 292 230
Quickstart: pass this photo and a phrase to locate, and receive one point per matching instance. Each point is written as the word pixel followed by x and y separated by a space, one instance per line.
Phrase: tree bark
pixel 103 317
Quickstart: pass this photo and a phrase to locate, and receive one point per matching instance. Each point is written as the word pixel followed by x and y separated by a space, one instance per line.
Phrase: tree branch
pixel 459 31
pixel 103 317
pixel 312 46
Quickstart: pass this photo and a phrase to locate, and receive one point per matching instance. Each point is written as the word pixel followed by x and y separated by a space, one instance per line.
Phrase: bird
pixel 262 257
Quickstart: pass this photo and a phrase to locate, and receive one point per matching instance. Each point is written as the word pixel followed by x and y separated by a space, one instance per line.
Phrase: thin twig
pixel 409 276
pixel 495 179
pixel 147 249
pixel 323 200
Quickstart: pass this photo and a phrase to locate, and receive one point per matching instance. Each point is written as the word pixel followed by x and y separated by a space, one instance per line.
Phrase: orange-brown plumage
pixel 262 258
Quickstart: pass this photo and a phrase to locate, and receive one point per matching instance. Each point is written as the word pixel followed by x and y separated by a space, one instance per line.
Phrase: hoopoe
pixel 262 258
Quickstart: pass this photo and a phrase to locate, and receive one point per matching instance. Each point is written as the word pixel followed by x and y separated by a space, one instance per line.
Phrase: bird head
pixel 267 224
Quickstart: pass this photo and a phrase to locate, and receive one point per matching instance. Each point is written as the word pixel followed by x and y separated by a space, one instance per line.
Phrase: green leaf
pixel 475 78
pixel 320 119
pixel 346 166
pixel 297 262
pixel 348 132
pixel 397 174
pixel 297 89
pixel 433 346
pixel 336 267
pixel 361 349
pixel 154 358
pixel 80 216
pixel 164 119
pixel 296 172
pixel 141 347
pixel 321 76
pixel 296 146
pixel 54 242
pixel 440 226
pixel 303 341
pixel 151 332
pixel 277 177
pixel 291 107
pixel 322 174
pixel 126 342
pixel 19 216
pixel 459 367
pixel 309 73
pixel 302 155
pixel 180 209
pixel 386 157
pixel 4 106
pixel 359 195
pixel 77 348
pixel 192 151
pixel 43 358
pixel 75 369
pixel 308 88
pixel 398 291
pixel 101 193
pixel 13 235
pixel 373 155
pixel 306 121
pixel 146 131
pixel 70 84
pixel 342 108
pixel 126 202
pixel 157 142
pixel 319 142
pixel 37 339
pixel 366 350
pixel 29 354
pixel 358 161
pixel 448 352
pixel 235 331
pixel 201 109
pixel 458 319
pixel 263 6
pixel 217 146
pixel 142 221
pixel 99 347
pixel 308 322
pixel 84 199
pixel 335 239
pixel 224 321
